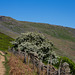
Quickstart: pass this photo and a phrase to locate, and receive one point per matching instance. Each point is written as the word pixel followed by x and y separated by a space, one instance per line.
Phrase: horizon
pixel 54 12
pixel 38 22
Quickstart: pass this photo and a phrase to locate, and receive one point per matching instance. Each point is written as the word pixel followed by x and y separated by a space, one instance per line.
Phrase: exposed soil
pixel 2 68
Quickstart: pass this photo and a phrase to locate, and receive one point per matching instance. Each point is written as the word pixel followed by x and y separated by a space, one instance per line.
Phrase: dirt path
pixel 2 67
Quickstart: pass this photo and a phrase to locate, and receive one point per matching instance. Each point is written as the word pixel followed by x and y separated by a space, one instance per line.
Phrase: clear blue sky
pixel 58 12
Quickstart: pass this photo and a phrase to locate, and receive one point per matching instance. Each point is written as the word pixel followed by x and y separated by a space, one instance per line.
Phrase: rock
pixel 65 70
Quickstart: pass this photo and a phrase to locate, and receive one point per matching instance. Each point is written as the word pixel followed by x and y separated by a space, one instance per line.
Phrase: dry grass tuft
pixel 17 67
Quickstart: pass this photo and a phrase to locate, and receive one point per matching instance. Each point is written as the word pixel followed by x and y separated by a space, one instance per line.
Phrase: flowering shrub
pixel 37 44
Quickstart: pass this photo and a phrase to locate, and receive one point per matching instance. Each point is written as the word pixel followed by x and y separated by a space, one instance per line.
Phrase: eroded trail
pixel 2 67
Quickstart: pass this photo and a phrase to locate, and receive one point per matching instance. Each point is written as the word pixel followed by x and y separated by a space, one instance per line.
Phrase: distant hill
pixel 62 37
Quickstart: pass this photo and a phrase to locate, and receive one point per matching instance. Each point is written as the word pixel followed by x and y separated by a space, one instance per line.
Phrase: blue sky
pixel 58 12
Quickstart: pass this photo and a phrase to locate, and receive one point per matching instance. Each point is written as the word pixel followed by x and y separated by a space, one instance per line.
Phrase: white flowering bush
pixel 35 43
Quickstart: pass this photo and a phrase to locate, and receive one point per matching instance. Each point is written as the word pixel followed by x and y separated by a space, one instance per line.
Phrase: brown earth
pixel 2 68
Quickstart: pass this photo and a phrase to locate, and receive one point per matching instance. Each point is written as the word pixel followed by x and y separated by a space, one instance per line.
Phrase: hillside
pixel 4 42
pixel 62 37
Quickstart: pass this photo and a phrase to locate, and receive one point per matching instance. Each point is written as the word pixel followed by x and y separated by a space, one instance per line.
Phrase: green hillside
pixel 53 30
pixel 4 41
pixel 62 37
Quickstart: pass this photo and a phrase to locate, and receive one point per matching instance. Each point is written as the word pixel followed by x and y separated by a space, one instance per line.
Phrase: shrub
pixel 37 44
pixel 70 62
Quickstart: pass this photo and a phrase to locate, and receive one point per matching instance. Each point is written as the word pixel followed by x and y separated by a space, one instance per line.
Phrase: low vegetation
pixel 5 42
pixel 14 66
pixel 53 30
pixel 70 62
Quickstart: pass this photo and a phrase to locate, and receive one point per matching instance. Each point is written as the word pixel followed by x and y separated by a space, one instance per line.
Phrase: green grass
pixel 53 30
pixel 8 23
pixel 69 61
pixel 5 42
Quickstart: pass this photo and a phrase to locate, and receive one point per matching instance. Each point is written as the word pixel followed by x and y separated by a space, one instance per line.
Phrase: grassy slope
pixel 4 41
pixel 53 30
pixel 64 47
pixel 62 37
pixel 17 66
